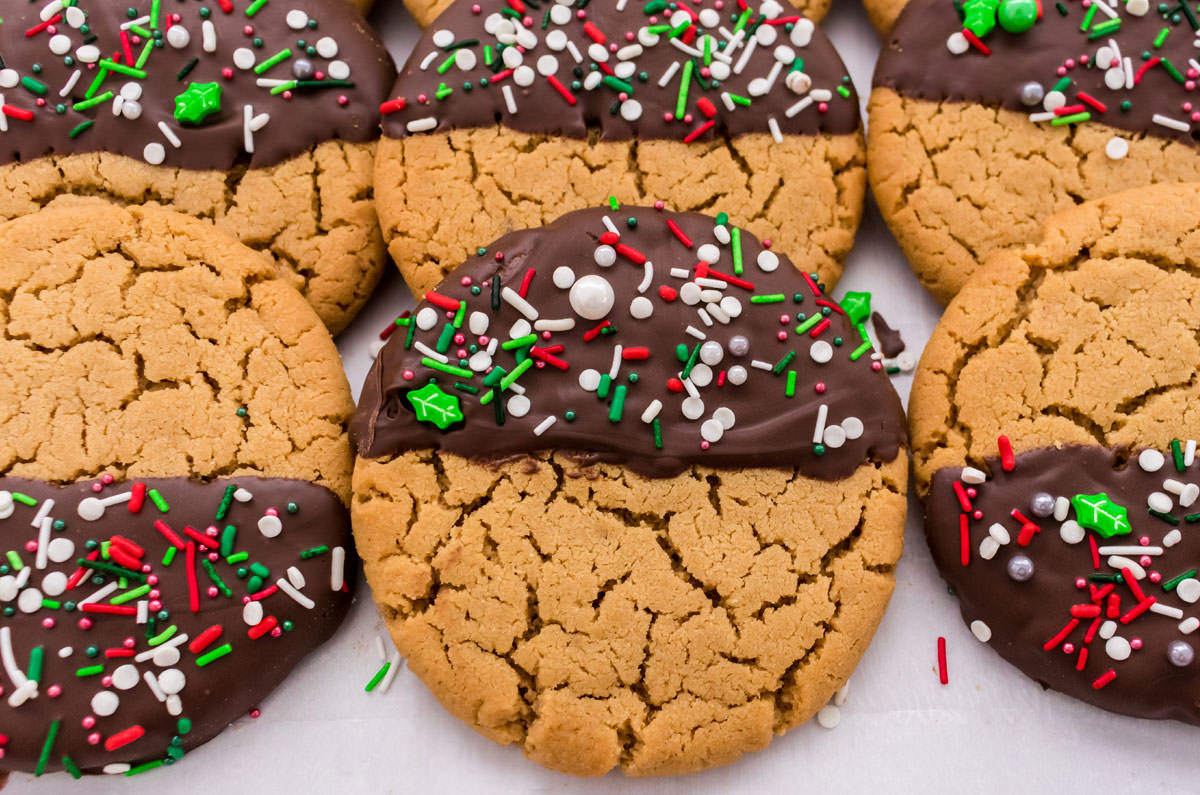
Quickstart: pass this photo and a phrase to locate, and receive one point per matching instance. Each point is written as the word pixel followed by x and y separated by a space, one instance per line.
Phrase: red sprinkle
pixel 610 238
pixel 264 593
pixel 1095 552
pixel 262 628
pixel 128 546
pixel 544 355
pixel 943 671
pixel 110 610
pixel 1007 462
pixel 1085 611
pixel 16 113
pixel 1104 679
pixel 445 302
pixel 635 353
pixel 1082 661
pixel 707 108
pixel 1090 635
pixel 1132 582
pixel 1067 110
pixel 201 641
pixel 811 284
pixel 1138 609
pixel 561 89
pixel 137 497
pixel 592 333
pixel 735 281
pixel 393 106
pixel 36 29
pixel 110 653
pixel 1147 66
pixel 817 329
pixel 675 230
pixel 200 538
pixel 1113 608
pixel 964 537
pixel 961 493
pixel 526 280
pixel 668 293
pixel 674 384
pixel 193 590
pixel 169 534
pixel 976 43
pixel 1092 101
pixel 594 33
pixel 123 738
pixel 1061 635
pixel 123 559
pixel 831 305
pixel 696 133
pixel 631 254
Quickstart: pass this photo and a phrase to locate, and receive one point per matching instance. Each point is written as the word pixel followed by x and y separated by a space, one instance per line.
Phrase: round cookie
pixel 1051 416
pixel 482 137
pixel 426 11
pixel 173 502
pixel 212 109
pixel 646 513
pixel 970 152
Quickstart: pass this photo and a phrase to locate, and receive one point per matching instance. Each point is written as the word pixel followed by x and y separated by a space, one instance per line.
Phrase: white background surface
pixel 989 730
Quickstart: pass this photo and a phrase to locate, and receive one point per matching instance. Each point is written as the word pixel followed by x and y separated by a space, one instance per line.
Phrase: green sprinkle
pixel 47 746
pixel 158 501
pixel 1062 85
pixel 790 389
pixel 434 364
pixel 260 570
pixel 604 386
pixel 169 556
pixel 773 298
pixel 212 575
pixel 657 426
pixel 228 537
pixel 508 380
pixel 142 768
pixel 1171 70
pixel 736 244
pixel 274 60
pixel 460 314
pixel 378 677
pixel 738 99
pixel 90 670
pixel 612 203
pixel 226 501
pixel 255 7
pixel 845 92
pixel 691 361
pixel 130 595
pixel 128 71
pixel 80 128
pixel 215 654
pixel 519 342
pixel 408 338
pixel 111 568
pixel 782 363
pixel 52 604
pixel 312 552
pixel 1177 454
pixel 1172 583
pixel 1074 118
pixel 860 350
pixel 618 404
pixel 237 557
pixel 36 657
pixel 1104 29
pixel 617 84
pixel 14 560
pixel 459 385
pixel 144 55
pixel 163 636
pixel 685 82
pixel 1087 18
pixel 809 323
pixel 90 103
pixel 34 86
pixel 445 65
pixel 1166 517
pixel 1161 37
pixel 69 765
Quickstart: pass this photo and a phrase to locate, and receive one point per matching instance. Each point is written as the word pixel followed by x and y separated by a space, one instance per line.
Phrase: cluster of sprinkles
pixel 1124 62
pixel 466 357
pixel 1125 579
pixel 106 70
pixel 116 579
pixel 699 45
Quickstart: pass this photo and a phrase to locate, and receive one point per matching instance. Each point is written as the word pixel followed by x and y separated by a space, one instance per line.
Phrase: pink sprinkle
pixel 658 205
pixel 612 47
pixel 1155 577
pixel 466 281
pixel 96 487
pixel 822 107
pixel 106 681
pixel 1145 560
pixel 819 388
pixel 129 643
pixel 977 515
pixel 107 479
pixel 547 335
pixel 93 738
pixel 687 118
pixel 1080 583
pixel 31 546
pixel 1135 644
pixel 704 445
pixel 343 100
pixel 1068 648
pixel 212 592
pixel 784 320
pixel 227 73
pixel 876 366
pixel 255 713
pixel 154 593
pixel 1061 71
pixel 484 339
pixel 581 14
pixel 408 375
pixel 475 9
pixel 668 117
pixel 145 568
pixel 152 580
pixel 54 691
pixel 971 492
pixel 41 103
pixel 459 338
pixel 287 94
pixel 155 604
pixel 781 336
pixel 276 632
pixel 766 244
pixel 88 722
pixel 85 623
pixel 248 30
pixel 211 531
pixel 629 35
pixel 272 512
pixel 48 623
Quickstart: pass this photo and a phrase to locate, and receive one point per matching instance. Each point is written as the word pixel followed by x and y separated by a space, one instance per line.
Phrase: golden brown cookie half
pixel 973 145
pixel 752 113
pixel 1053 421
pixel 262 119
pixel 883 13
pixel 174 473
pixel 630 491
pixel 426 11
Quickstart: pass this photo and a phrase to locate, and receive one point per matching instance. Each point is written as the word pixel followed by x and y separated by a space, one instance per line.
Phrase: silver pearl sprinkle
pixel 1020 568
pixel 1032 94
pixel 1042 504
pixel 739 345
pixel 302 69
pixel 1180 653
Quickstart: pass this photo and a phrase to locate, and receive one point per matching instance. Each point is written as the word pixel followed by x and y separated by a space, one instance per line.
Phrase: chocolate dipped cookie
pixel 630 490
pixel 1053 419
pixel 984 124
pixel 500 122
pixel 260 117
pixel 174 476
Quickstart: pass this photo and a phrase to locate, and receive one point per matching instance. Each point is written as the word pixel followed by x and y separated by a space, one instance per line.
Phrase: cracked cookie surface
pixel 957 182
pixel 130 338
pixel 599 619
pixel 441 195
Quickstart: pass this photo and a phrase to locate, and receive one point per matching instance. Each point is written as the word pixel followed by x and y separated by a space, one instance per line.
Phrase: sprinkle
pixel 214 655
pixel 47 747
pixel 378 677
pixel 943 671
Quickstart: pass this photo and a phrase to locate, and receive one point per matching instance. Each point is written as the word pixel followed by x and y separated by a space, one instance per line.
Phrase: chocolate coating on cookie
pixel 69 87
pixel 1023 70
pixel 93 663
pixel 638 72
pixel 609 334
pixel 1046 624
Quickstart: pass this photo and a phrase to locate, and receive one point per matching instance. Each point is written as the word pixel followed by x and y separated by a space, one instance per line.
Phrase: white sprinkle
pixel 143 611
pixel 1169 123
pixel 299 598
pixel 50 9
pixel 1119 562
pixel 514 299
pixel 988 548
pixel 209 36
pixel 116 768
pixel 667 75
pixel 681 273
pixel 798 106
pixel 1189 625
pixel 1000 533
pixel 544 425
pixel 819 431
pixel 1189 452
pixel 430 352
pixel 152 682
pixel 742 61
pixel 1131 550
pixel 1128 62
pixel 616 362
pixel 1157 501
pixel 429 59
pixel 1040 117
pixel 973 475
pixel 100 593
pixel 828 716
pixel 1071 532
pixel 728 101
pixel 1172 538
pixel 717 313
pixel 716 284
pixel 169 134
pixel 177 640
pixel 10 661
pixel 1061 506
pixel 759 364
pixel 422 125
pixel 981 631
pixel 555 324
pixel 691 388
pixel 1105 8
pixel 386 682
pixel 69 86
pixel 647 277
pixel 652 411
pixel 1166 610
pixel 132 22
pixel 493 344
pixel 43 548
pixel 337 568
pixel 26 691
pixel 679 45
pixel 704 317
pixel 1116 148
pixel 247 134
pixel 609 225
pixel 295 576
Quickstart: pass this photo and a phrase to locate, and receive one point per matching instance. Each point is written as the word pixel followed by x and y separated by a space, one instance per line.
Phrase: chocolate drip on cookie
pixel 629 70
pixel 142 618
pixel 1078 566
pixel 656 340
pixel 195 85
pixel 1061 69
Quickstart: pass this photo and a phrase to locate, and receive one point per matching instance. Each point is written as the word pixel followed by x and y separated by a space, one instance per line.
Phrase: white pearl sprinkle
pixel 641 307
pixel 1116 148
pixel 154 153
pixel 981 631
pixel 768 261
pixel 820 351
